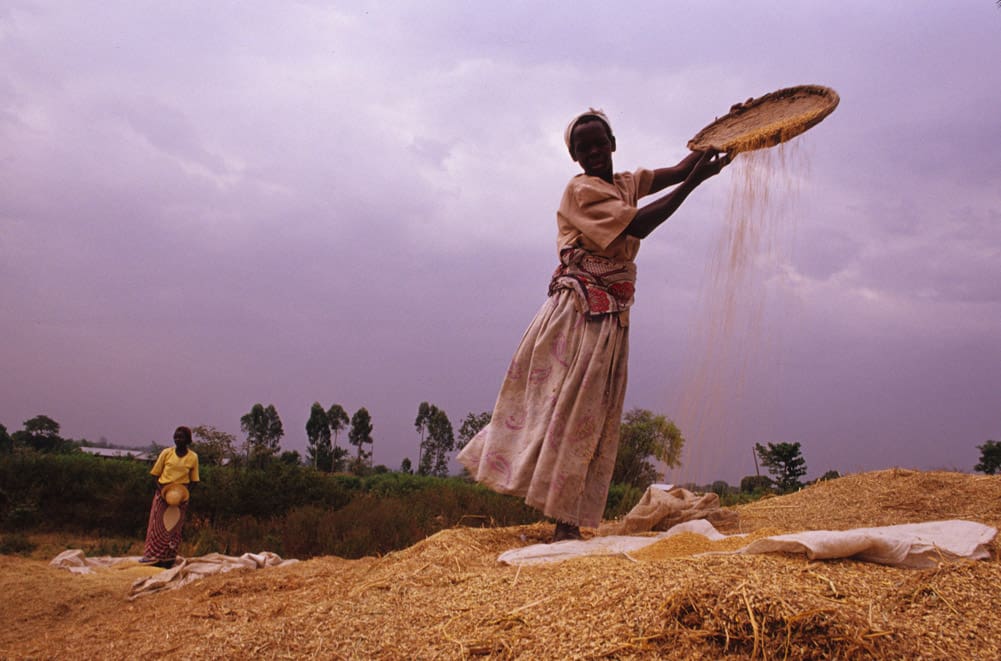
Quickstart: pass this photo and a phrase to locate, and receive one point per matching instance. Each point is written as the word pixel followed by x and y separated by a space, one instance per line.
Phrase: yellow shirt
pixel 171 468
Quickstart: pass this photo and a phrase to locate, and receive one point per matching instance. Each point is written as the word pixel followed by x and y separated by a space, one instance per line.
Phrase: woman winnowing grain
pixel 554 431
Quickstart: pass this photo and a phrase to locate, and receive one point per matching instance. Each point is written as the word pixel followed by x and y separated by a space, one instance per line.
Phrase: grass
pixel 47 545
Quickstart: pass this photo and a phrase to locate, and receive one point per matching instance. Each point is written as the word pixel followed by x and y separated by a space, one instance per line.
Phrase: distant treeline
pixel 264 431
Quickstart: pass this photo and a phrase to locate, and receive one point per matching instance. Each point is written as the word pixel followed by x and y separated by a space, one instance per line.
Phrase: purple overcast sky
pixel 208 205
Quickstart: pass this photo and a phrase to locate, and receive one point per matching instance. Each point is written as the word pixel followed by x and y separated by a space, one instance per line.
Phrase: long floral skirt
pixel 555 427
pixel 163 532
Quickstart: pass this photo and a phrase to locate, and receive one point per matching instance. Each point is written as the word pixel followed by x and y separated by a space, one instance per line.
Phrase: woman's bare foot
pixel 565 531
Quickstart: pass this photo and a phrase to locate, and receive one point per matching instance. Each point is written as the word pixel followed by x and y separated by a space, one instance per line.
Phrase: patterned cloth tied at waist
pixel 602 285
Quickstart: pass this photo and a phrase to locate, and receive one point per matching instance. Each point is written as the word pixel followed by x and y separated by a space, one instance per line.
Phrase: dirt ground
pixel 448 598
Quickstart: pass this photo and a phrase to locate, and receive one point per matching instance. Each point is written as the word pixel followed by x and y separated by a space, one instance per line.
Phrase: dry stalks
pixel 448 598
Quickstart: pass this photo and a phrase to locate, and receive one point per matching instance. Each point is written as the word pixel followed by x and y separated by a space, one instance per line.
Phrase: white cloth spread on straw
pixel 184 571
pixel 909 545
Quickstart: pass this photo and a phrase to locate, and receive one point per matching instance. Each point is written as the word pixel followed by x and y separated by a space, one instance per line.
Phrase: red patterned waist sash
pixel 602 285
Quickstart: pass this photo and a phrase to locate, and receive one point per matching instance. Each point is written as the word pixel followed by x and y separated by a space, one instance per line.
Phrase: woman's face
pixel 592 148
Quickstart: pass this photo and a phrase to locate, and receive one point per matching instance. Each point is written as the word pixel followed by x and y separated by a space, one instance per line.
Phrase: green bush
pixel 621 499
pixel 16 544
pixel 22 516
pixel 74 491
pixel 111 546
pixel 756 484
pixel 741 498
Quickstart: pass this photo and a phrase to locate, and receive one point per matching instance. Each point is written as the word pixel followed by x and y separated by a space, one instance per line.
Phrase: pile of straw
pixel 448 598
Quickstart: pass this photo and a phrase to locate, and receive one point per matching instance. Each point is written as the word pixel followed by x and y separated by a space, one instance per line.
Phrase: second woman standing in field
pixel 175 473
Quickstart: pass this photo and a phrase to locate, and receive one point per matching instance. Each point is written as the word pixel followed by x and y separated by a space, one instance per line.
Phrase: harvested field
pixel 446 597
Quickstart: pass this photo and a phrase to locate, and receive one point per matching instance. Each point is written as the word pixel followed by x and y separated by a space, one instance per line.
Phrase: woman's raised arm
pixel 703 166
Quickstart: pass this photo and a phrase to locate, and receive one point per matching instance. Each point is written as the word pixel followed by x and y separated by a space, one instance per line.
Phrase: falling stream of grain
pixel 732 337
